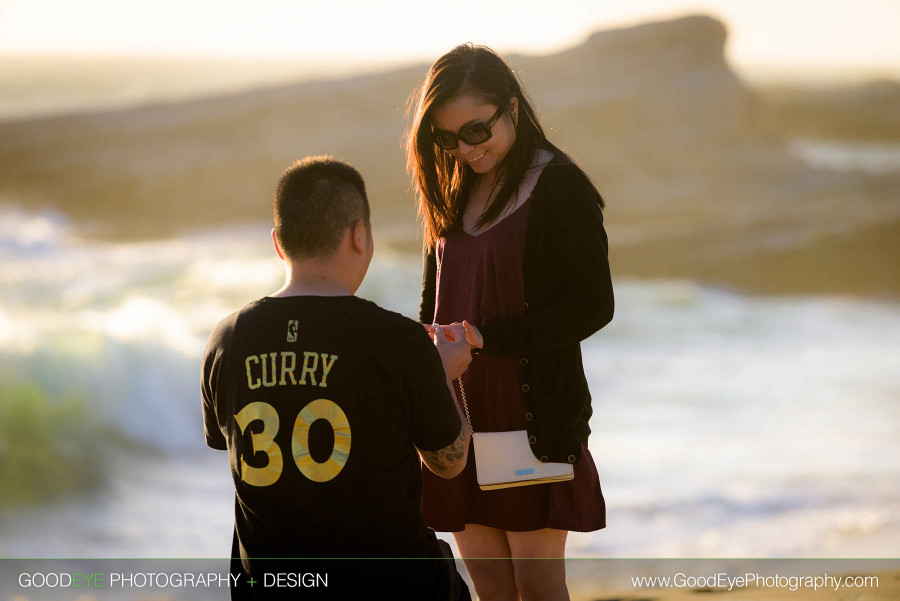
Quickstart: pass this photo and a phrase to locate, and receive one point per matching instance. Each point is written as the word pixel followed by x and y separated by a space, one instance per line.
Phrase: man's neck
pixel 307 284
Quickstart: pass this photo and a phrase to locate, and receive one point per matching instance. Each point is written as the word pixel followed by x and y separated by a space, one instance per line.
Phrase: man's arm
pixel 449 461
pixel 213 364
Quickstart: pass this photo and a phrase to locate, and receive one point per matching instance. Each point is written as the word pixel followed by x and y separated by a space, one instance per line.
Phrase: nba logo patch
pixel 293 327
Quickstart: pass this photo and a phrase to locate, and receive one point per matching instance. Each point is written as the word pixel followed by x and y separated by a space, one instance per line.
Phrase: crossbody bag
pixel 504 459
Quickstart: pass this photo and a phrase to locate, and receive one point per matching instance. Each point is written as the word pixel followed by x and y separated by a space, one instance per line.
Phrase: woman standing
pixel 515 250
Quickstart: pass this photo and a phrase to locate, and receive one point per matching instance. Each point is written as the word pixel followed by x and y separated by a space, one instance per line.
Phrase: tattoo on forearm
pixel 441 459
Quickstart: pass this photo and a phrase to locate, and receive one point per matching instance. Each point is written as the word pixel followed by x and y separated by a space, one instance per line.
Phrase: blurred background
pixel 745 395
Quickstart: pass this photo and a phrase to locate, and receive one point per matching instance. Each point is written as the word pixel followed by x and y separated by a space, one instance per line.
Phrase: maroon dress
pixel 479 279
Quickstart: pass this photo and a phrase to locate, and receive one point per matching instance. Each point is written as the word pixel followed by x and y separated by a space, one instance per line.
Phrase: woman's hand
pixel 451 332
pixel 473 336
pixel 458 330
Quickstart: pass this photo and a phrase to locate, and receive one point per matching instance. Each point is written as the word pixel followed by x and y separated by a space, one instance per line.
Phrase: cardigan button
pixel 544 459
pixel 571 458
pixel 529 417
pixel 531 440
pixel 526 305
pixel 525 387
pixel 523 361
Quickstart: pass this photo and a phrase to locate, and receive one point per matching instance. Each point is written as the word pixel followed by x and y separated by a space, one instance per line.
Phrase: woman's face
pixel 464 110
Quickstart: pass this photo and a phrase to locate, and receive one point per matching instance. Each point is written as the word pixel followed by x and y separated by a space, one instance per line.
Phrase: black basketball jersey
pixel 320 403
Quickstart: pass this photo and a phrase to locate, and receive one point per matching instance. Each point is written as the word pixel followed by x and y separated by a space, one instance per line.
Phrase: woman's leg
pixel 539 564
pixel 485 553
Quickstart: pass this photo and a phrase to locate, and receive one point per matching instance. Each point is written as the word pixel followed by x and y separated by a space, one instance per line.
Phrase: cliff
pixel 694 165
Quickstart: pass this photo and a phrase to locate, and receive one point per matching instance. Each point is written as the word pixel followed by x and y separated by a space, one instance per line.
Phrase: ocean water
pixel 865 157
pixel 725 424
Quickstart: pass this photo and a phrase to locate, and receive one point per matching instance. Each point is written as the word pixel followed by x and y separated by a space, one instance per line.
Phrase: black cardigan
pixel 569 296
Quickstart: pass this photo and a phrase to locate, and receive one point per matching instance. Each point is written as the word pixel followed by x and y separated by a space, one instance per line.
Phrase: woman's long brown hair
pixel 442 182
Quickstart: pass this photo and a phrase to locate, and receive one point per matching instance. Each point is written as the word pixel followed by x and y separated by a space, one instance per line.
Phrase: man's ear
pixel 359 236
pixel 275 242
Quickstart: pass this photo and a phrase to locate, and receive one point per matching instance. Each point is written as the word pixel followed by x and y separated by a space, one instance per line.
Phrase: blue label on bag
pixel 525 472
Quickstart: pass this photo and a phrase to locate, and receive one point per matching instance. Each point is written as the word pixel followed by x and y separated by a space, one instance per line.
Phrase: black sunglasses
pixel 472 134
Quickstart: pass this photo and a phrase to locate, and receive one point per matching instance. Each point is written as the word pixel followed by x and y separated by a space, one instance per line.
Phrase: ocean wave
pixel 865 157
pixel 49 444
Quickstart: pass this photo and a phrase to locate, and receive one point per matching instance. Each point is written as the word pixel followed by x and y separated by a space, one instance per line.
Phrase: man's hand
pixel 454 349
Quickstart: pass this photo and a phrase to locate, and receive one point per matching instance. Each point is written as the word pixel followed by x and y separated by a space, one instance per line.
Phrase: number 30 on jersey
pixel 265 442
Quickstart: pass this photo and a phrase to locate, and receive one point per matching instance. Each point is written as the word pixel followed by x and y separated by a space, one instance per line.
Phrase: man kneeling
pixel 322 400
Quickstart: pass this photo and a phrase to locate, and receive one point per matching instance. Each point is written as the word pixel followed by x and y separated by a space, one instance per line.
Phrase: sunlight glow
pixel 769 32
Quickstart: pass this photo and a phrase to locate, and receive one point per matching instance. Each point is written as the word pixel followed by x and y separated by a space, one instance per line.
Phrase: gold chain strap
pixel 465 403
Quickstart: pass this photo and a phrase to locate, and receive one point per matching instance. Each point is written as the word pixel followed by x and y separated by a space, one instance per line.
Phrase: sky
pixel 815 33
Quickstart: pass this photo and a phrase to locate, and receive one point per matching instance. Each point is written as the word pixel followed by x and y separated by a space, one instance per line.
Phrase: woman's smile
pixel 474 160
